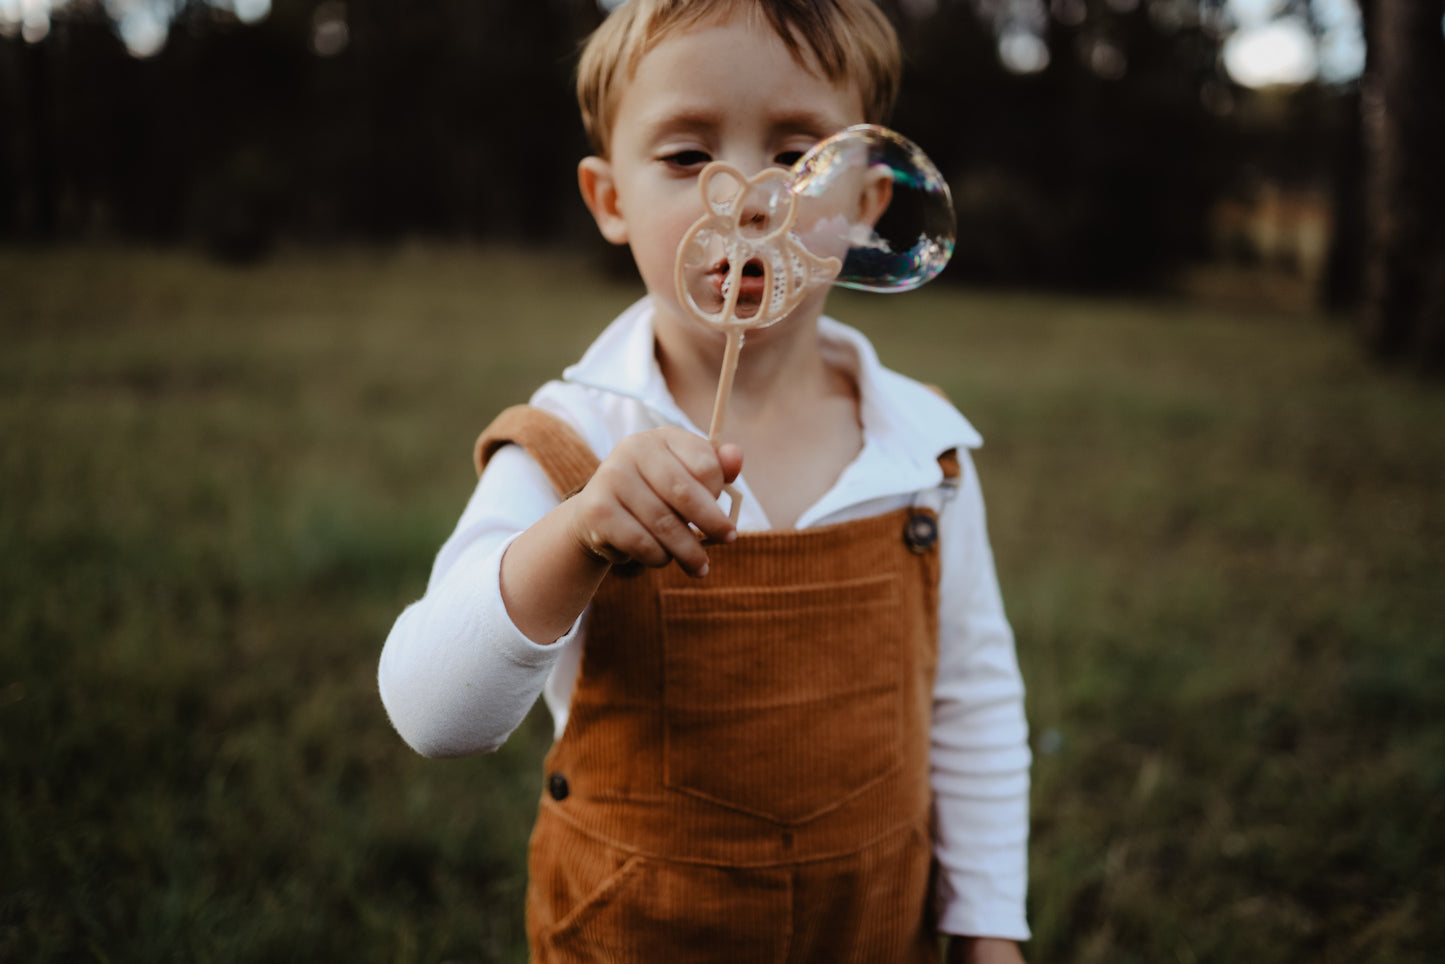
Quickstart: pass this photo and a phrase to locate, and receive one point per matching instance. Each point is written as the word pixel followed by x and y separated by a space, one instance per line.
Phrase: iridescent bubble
pixel 872 198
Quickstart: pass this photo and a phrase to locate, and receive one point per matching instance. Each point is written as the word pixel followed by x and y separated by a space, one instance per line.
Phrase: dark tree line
pixel 452 119
pixel 455 119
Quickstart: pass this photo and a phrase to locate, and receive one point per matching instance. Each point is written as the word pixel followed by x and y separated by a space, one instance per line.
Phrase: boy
pixel 804 742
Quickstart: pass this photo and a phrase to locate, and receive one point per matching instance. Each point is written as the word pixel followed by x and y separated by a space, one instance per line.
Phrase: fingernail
pixel 731 536
pixel 703 571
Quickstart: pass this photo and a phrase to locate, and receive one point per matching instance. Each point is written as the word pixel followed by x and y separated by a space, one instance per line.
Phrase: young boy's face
pixel 729 91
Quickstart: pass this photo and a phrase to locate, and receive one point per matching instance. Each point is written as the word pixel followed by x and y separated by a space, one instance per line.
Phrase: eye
pixel 686 160
pixel 788 158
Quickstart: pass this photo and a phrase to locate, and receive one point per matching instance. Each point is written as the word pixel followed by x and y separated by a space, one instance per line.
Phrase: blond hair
pixel 848 40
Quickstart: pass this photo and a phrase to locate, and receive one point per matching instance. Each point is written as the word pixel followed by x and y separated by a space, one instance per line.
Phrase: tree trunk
pixel 35 191
pixel 1404 318
pixel 1342 289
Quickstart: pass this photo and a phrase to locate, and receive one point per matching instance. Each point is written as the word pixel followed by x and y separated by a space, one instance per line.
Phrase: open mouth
pixel 751 281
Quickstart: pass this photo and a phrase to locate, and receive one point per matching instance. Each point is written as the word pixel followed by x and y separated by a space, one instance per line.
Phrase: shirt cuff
pixel 998 915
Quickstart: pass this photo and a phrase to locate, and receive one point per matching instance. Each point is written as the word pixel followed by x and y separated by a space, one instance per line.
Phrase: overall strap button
pixel 921 532
pixel 557 787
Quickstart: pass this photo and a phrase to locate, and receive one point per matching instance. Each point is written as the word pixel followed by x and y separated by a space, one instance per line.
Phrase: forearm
pixel 548 578
pixel 983 950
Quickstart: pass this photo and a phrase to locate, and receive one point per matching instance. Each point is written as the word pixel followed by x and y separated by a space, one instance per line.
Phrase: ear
pixel 877 195
pixel 599 192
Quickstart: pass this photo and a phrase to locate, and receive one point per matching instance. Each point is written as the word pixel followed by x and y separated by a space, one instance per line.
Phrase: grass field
pixel 1221 536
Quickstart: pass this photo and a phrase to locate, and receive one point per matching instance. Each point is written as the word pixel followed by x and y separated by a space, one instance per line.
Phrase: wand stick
pixel 720 407
pixel 744 232
pixel 725 384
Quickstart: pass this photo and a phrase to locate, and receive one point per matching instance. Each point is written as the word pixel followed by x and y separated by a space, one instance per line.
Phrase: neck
pixel 777 365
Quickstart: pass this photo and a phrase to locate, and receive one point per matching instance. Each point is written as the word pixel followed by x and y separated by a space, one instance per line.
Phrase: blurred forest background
pixel 1091 144
pixel 267 266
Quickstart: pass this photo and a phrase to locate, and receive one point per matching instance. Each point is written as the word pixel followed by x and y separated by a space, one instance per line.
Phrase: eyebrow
pixel 667 121
pixel 802 121
pixel 807 122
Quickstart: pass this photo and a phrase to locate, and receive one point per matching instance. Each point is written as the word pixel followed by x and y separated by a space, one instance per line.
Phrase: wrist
pixel 548 577
pixel 591 548
pixel 983 950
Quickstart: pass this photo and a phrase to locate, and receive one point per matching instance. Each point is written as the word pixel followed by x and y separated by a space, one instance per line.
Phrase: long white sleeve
pixel 456 675
pixel 980 750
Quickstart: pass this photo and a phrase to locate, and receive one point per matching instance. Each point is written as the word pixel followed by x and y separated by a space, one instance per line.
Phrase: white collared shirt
pixel 457 677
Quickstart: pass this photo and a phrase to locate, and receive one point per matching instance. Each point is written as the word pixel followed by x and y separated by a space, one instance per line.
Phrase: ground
pixel 1219 530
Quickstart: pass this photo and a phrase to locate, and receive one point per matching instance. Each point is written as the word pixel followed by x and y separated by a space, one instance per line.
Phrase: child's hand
pixel 983 950
pixel 641 501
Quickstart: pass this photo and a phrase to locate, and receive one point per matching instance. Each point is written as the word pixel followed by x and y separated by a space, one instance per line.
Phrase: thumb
pixel 730 457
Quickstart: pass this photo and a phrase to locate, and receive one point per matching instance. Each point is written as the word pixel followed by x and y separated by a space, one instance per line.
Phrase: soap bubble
pixel 872 198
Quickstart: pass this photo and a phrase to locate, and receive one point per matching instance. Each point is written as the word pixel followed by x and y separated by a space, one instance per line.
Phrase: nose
pixel 753 219
pixel 765 204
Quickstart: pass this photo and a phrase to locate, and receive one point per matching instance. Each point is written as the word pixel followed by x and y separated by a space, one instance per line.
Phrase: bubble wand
pixel 744 244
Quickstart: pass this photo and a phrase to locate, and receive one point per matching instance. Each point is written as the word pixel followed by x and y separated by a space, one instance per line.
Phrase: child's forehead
pixel 715 41
pixel 695 74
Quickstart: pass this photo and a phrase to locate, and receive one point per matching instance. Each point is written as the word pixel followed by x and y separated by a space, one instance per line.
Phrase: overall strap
pixel 948 461
pixel 558 449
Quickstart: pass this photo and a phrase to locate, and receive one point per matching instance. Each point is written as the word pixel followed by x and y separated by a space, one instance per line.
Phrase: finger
pixel 606 532
pixel 688 497
pixel 698 457
pixel 657 533
pixel 653 540
pixel 730 459
pixel 652 476
pixel 660 536
pixel 670 528
pixel 609 514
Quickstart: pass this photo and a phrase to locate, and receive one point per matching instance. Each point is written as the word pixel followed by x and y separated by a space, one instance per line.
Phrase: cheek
pixel 660 242
pixel 658 215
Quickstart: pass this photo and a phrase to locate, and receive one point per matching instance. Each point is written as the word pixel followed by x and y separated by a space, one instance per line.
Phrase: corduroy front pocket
pixel 590 903
pixel 782 702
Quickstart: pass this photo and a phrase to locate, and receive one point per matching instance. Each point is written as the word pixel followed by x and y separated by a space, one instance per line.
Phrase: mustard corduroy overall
pixel 744 772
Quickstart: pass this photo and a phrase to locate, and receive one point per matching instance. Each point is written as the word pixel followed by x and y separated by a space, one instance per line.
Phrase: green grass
pixel 1221 536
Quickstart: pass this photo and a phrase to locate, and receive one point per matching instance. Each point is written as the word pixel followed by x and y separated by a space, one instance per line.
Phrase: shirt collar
pixel 623 361
pixel 910 421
